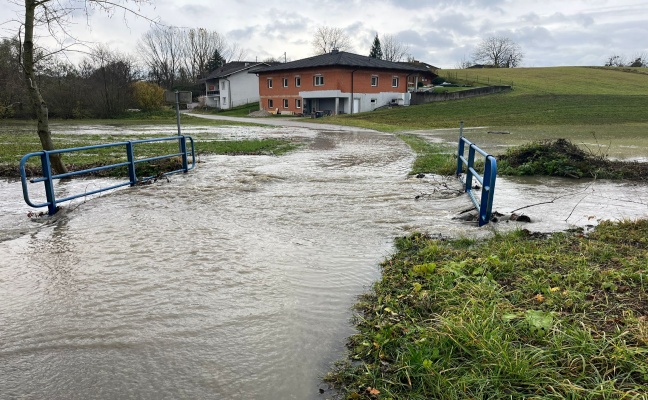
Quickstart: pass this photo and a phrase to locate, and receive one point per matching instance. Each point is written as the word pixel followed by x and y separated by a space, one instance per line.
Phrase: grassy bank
pixel 516 316
pixel 430 157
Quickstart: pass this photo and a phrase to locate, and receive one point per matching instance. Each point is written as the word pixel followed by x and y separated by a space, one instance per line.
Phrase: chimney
pixel 335 50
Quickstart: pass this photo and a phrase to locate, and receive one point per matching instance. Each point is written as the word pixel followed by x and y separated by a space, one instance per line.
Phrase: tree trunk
pixel 38 104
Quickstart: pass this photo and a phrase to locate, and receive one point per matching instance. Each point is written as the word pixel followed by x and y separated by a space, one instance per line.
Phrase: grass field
pixel 593 105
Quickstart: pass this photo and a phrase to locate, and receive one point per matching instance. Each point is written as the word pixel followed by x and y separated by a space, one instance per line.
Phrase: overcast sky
pixel 441 32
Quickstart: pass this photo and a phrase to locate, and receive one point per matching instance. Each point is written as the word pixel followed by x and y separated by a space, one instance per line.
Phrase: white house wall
pixel 240 88
pixel 365 99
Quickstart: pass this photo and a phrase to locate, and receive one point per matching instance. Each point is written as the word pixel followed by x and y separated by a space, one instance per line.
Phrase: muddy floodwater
pixel 234 281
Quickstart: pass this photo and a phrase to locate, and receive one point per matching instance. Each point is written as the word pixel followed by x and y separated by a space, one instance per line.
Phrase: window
pixel 374 80
pixel 223 85
pixel 285 82
pixel 285 103
pixel 297 103
pixel 395 81
pixel 269 83
pixel 270 105
pixel 224 100
pixel 297 81
pixel 319 80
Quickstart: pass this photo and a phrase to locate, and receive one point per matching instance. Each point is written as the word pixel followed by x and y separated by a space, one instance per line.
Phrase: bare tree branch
pixel 392 49
pixel 327 38
pixel 499 52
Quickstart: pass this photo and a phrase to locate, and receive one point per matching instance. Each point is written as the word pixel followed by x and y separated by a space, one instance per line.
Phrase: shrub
pixel 148 96
pixel 438 80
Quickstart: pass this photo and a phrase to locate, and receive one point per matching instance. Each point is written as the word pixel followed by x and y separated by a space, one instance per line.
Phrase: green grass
pixel 540 97
pixel 559 80
pixel 18 138
pixel 240 111
pixel 563 158
pixel 516 316
pixel 430 157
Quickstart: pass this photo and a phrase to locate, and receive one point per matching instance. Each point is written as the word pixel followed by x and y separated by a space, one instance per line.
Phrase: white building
pixel 233 85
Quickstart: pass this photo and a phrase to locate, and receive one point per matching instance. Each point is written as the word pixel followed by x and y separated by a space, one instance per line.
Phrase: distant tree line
pixel 104 83
pixel 616 60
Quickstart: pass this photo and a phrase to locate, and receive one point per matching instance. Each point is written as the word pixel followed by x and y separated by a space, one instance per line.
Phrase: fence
pixel 48 179
pixel 467 75
pixel 487 180
pixel 430 97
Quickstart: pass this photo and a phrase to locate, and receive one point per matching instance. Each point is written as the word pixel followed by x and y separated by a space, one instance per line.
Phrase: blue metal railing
pixel 48 179
pixel 487 180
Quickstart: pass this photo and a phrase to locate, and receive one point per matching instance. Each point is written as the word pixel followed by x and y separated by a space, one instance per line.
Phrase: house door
pixel 356 106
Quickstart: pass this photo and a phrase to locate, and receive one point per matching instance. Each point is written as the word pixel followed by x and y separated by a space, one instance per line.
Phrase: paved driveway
pixel 294 122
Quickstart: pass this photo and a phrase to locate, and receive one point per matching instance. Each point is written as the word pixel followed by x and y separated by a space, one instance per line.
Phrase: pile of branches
pixel 560 157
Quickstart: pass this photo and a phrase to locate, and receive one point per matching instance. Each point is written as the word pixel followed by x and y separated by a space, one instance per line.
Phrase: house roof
pixel 342 58
pixel 233 67
pixel 422 64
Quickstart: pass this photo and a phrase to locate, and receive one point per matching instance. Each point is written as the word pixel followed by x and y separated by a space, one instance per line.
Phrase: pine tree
pixel 376 49
pixel 215 62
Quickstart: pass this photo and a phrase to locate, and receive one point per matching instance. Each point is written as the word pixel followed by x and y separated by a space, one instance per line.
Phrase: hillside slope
pixel 540 96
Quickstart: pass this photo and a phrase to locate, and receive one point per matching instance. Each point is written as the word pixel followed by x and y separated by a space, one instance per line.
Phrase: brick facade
pixel 334 79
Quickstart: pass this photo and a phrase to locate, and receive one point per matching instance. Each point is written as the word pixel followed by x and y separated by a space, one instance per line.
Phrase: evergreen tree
pixel 215 62
pixel 376 49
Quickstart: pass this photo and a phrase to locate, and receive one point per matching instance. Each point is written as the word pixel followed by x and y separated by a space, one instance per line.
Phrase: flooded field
pixel 234 281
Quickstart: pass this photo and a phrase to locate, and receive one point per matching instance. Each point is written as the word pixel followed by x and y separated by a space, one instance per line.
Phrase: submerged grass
pixel 18 139
pixel 434 158
pixel 517 316
pixel 239 111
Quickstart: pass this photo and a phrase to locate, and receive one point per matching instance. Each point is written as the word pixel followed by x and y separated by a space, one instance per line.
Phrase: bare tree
pixel 392 49
pixel 12 89
pixel 160 49
pixel 54 15
pixel 234 52
pixel 109 76
pixel 499 52
pixel 463 63
pixel 615 60
pixel 640 60
pixel 172 54
pixel 199 46
pixel 327 38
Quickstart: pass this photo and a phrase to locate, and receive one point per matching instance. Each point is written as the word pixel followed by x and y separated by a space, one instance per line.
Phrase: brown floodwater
pixel 234 281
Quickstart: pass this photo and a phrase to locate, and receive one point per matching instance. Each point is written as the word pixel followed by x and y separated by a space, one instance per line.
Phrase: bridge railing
pixel 487 179
pixel 48 178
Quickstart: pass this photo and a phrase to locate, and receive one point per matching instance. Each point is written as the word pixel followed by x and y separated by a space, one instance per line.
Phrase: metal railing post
pixel 183 151
pixel 488 188
pixel 460 152
pixel 131 163
pixel 48 182
pixel 469 167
